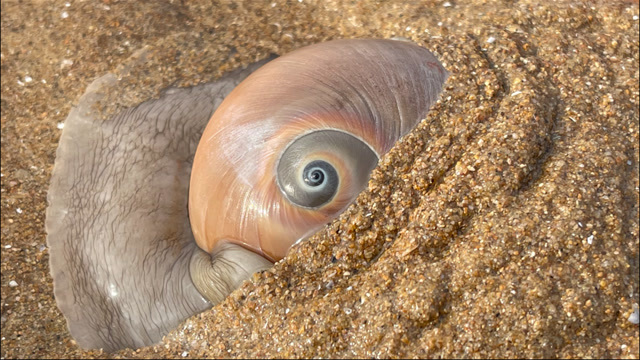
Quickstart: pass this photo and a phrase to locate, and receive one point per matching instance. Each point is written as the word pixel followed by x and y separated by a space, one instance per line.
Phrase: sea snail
pixel 285 152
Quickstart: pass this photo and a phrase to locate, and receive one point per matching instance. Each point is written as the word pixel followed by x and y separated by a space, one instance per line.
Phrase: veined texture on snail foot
pixel 285 152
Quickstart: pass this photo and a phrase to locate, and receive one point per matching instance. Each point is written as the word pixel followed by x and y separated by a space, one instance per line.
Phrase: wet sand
pixel 505 225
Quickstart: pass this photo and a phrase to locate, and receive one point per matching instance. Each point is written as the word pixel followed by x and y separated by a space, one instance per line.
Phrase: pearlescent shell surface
pixel 376 90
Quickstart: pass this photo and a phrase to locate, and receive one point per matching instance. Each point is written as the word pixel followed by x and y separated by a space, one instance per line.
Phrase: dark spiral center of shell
pixel 310 182
pixel 315 173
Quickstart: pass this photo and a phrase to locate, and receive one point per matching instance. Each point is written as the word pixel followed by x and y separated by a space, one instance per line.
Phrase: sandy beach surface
pixel 504 225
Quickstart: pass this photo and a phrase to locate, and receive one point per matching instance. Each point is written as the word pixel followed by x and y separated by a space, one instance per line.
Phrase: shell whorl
pixel 315 166
pixel 342 103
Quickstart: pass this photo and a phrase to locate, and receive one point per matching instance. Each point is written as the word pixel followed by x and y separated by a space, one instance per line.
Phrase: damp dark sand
pixel 505 225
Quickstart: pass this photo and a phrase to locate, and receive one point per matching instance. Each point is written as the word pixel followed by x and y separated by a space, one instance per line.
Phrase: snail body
pixel 288 149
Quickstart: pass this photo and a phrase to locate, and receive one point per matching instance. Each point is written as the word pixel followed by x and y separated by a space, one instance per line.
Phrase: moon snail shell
pixel 294 144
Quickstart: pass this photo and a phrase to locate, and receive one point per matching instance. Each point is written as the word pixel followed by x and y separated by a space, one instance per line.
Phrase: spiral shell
pixel 293 144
